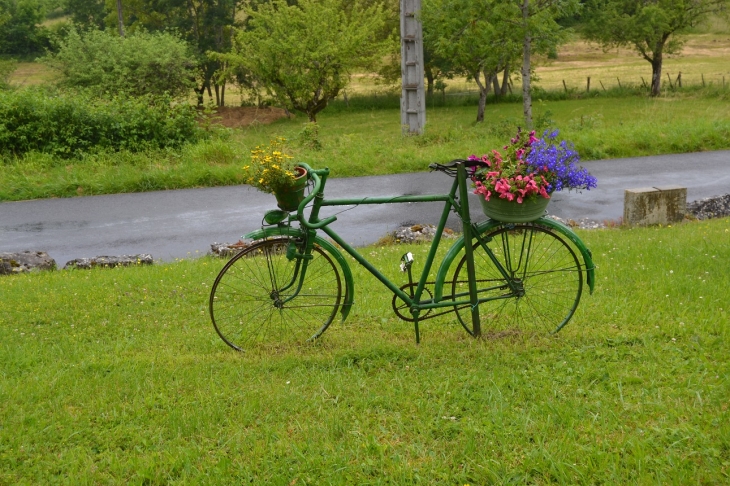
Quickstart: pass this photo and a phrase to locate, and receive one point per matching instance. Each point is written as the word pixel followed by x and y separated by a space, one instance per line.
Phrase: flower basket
pixel 512 211
pixel 288 199
pixel 514 186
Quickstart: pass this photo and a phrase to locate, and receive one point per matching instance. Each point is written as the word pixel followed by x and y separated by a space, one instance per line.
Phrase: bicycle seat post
pixel 468 248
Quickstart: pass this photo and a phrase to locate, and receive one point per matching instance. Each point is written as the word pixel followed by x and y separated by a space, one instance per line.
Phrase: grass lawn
pixel 117 377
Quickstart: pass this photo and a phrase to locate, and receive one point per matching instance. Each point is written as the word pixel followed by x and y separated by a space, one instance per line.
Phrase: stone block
pixel 25 261
pixel 654 205
pixel 109 261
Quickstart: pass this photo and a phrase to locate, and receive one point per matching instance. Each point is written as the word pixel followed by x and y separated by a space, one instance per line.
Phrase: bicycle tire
pixel 543 265
pixel 248 302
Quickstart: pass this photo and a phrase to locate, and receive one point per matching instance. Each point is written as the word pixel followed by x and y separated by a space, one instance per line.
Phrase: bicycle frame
pixel 460 206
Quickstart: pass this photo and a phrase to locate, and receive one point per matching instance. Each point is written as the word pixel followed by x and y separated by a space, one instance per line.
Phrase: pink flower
pixel 531 187
pixel 481 189
pixel 502 186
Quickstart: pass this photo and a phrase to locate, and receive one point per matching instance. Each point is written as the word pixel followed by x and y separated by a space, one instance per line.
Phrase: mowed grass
pixel 117 377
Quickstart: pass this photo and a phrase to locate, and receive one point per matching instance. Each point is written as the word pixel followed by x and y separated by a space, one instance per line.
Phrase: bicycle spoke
pixel 539 264
pixel 255 299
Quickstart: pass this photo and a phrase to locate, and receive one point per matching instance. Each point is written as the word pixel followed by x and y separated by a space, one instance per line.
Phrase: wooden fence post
pixel 565 86
pixel 679 79
pixel 670 81
pixel 588 85
pixel 602 86
pixel 643 82
pixel 703 80
pixel 619 82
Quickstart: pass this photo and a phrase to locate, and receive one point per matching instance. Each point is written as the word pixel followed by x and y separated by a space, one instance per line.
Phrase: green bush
pixel 139 64
pixel 7 67
pixel 65 124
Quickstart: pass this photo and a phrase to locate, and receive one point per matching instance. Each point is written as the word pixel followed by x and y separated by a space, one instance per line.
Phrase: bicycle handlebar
pixel 315 175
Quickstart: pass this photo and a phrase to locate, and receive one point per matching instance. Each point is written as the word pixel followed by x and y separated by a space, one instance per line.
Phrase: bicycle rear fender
pixel 327 246
pixel 490 223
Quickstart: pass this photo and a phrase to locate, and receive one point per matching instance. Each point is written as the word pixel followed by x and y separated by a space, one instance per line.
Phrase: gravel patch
pixel 711 207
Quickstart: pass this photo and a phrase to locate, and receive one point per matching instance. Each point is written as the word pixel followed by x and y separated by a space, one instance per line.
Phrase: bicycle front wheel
pixel 543 285
pixel 257 298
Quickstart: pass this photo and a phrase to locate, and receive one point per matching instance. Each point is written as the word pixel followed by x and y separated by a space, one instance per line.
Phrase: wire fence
pixel 669 80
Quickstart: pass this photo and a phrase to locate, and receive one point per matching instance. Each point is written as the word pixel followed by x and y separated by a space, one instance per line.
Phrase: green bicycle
pixel 292 283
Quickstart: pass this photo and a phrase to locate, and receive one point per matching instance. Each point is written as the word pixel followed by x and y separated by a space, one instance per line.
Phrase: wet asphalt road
pixel 183 223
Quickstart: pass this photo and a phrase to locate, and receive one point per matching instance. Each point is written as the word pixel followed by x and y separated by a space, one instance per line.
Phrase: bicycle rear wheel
pixel 254 299
pixel 540 264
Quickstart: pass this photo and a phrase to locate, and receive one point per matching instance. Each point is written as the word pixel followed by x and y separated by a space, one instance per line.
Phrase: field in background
pixel 706 54
pixel 117 377
pixel 31 74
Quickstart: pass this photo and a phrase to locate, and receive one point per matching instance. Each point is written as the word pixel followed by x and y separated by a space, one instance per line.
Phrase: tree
pixel 138 64
pixel 536 21
pixel 205 24
pixel 653 28
pixel 304 54
pixel 486 37
pixel 87 14
pixel 20 31
pixel 474 39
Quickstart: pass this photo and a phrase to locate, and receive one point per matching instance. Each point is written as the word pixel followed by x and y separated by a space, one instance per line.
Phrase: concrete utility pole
pixel 412 102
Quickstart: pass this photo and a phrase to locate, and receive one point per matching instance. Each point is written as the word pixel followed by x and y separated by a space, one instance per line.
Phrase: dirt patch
pixel 243 116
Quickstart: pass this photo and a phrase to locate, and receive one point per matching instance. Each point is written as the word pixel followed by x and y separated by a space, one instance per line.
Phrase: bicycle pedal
pixel 406 261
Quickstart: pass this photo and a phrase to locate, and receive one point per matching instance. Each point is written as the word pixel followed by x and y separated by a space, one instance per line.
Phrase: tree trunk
pixel 223 94
pixel 656 74
pixel 120 18
pixel 200 93
pixel 217 94
pixel 483 88
pixel 505 80
pixel 495 85
pixel 526 47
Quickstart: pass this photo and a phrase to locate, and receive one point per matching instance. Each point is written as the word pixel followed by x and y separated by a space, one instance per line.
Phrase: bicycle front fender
pixel 557 226
pixel 327 246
